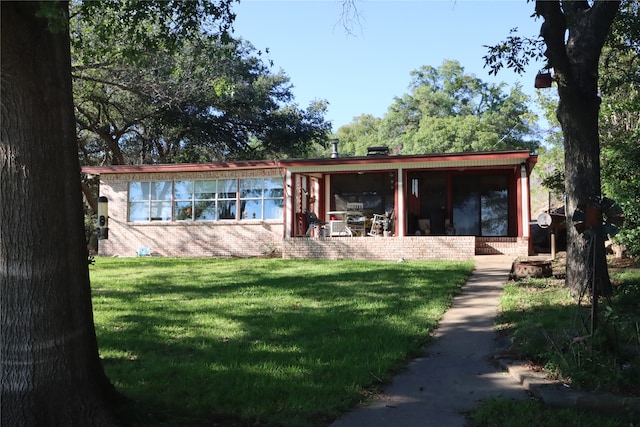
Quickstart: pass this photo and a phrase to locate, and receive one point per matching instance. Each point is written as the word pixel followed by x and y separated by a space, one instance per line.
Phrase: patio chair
pixel 377 225
pixel 381 223
pixel 355 219
pixel 314 222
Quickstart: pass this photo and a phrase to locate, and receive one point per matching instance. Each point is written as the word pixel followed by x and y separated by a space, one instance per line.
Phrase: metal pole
pixel 594 288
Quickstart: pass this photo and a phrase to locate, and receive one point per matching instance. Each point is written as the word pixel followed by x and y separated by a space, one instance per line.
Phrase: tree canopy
pixel 619 126
pixel 620 121
pixel 446 110
pixel 141 98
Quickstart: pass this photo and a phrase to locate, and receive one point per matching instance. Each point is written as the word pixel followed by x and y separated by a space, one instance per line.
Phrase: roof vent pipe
pixel 334 148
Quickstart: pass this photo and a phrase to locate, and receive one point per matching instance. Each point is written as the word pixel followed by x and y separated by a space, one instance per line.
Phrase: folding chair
pixel 314 222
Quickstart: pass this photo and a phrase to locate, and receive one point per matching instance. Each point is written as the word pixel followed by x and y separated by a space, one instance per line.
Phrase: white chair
pixel 355 219
pixel 381 224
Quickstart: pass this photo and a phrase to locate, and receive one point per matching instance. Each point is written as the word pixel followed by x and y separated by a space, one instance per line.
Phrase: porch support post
pixel 524 191
pixel 327 194
pixel 289 217
pixel 400 213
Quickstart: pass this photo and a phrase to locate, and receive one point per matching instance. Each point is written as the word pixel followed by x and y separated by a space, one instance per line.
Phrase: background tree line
pixel 447 110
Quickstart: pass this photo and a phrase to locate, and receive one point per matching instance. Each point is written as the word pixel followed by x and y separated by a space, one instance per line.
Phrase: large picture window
pixel 150 201
pixel 206 200
pixel 195 200
pixel 261 198
pixel 227 198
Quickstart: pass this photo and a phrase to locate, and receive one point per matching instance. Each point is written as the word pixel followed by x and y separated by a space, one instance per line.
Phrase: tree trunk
pixel 578 116
pixel 51 371
pixel 574 58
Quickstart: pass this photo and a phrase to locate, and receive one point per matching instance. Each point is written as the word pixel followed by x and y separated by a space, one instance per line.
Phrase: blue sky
pixel 362 72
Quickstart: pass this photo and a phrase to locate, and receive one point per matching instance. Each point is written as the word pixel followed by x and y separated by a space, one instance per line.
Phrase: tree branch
pixel 603 12
pixel 552 31
pixel 91 201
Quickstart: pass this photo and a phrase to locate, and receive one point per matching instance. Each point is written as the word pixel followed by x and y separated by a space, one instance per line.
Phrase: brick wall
pixel 381 248
pixel 193 239
pixel 517 246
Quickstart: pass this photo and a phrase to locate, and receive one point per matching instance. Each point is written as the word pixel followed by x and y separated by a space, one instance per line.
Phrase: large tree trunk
pixel 51 371
pixel 574 59
pixel 578 115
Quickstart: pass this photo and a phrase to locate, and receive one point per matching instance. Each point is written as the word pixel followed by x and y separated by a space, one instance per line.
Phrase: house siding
pixel 183 238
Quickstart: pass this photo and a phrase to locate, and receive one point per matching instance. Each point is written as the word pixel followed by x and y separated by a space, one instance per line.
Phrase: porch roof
pixel 425 161
pixel 376 162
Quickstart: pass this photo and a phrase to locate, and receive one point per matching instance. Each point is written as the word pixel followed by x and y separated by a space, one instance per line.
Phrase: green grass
pixel 549 327
pixel 506 413
pixel 542 319
pixel 261 341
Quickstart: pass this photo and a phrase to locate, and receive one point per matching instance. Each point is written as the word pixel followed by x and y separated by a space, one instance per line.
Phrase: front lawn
pixel 548 327
pixel 261 341
pixel 552 329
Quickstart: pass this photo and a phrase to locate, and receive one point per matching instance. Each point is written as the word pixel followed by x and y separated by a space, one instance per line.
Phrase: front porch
pixel 482 195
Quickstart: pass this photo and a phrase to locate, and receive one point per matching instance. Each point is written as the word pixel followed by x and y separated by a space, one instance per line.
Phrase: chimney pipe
pixel 334 148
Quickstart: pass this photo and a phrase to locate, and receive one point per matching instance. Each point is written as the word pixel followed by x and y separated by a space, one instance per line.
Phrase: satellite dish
pixel 544 220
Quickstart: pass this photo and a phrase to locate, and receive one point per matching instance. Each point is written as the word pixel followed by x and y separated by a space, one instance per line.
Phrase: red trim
pixel 494 155
pixel 177 167
pixel 366 160
pixel 518 180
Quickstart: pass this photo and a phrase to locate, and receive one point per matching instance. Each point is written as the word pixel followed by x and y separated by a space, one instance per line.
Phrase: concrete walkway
pixel 456 372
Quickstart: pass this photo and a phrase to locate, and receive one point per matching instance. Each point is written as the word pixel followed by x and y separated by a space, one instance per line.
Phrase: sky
pixel 362 71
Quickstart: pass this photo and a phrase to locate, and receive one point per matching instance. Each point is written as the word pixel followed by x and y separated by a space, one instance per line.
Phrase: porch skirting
pixel 260 240
pixel 381 248
pixel 516 246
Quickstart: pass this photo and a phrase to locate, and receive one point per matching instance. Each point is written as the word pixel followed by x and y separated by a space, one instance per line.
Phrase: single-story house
pixel 379 206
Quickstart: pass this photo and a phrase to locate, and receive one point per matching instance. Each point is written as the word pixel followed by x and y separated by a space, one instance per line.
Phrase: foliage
pixel 516 53
pixel 550 166
pixel 547 178
pixel 187 96
pixel 572 36
pixel 620 121
pixel 619 72
pixel 446 110
pixel 127 30
pixel 361 133
pixel 261 341
pixel 544 320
